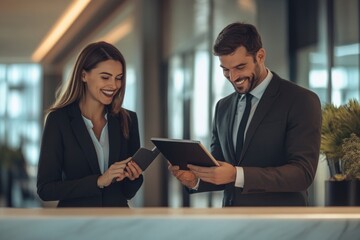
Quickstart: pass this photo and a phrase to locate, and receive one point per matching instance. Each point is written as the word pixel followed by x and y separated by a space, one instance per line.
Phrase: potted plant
pixel 350 165
pixel 339 136
pixel 12 165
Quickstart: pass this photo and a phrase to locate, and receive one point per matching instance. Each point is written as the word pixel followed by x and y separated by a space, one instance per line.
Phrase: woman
pixel 88 139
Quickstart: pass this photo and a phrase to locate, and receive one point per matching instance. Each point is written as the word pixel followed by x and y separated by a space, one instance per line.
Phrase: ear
pixel 83 76
pixel 261 54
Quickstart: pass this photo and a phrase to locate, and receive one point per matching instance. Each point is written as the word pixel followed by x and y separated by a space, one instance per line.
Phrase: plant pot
pixel 342 193
pixel 354 197
pixel 337 193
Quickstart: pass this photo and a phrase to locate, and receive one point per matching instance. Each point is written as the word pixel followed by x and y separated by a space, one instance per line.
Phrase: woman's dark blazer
pixel 68 166
pixel 281 148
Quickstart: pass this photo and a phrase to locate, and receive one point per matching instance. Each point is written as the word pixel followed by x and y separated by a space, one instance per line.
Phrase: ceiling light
pixel 60 27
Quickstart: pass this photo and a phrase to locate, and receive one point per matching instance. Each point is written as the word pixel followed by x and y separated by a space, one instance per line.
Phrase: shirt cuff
pixel 239 181
pixel 197 185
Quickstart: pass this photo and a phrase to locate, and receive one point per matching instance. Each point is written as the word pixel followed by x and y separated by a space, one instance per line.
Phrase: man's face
pixel 243 70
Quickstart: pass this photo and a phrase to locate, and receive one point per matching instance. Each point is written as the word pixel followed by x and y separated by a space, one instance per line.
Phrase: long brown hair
pixel 74 89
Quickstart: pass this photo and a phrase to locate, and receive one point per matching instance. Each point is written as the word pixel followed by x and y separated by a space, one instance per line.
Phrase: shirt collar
pixel 88 122
pixel 260 89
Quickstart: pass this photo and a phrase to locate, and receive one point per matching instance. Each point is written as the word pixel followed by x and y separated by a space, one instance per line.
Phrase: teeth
pixel 108 92
pixel 240 82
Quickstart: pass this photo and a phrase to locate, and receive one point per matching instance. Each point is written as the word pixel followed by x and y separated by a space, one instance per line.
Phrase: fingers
pixel 181 174
pixel 124 161
pixel 223 174
pixel 119 170
pixel 116 171
pixel 193 172
pixel 173 169
pixel 136 167
pixel 133 171
pixel 204 173
pixel 185 177
pixel 199 170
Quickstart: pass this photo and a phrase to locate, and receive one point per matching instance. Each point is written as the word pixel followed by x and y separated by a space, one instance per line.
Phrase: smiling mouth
pixel 108 93
pixel 240 81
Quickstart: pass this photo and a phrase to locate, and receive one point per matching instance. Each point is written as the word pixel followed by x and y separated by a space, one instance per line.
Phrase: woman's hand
pixel 116 171
pixel 133 171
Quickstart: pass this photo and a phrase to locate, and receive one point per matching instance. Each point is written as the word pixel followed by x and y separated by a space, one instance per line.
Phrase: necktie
pixel 242 126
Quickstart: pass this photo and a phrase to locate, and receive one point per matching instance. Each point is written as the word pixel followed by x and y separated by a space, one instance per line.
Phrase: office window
pixel 175 96
pixel 345 72
pixel 338 55
pixel 175 119
pixel 20 108
pixel 327 60
pixel 130 94
pixel 20 112
pixel 3 92
pixel 200 107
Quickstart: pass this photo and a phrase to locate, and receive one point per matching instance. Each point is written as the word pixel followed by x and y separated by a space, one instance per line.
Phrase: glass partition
pixel 345 72
pixel 20 130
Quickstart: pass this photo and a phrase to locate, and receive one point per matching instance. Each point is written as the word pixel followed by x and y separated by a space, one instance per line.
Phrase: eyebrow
pixel 111 74
pixel 239 65
pixel 106 73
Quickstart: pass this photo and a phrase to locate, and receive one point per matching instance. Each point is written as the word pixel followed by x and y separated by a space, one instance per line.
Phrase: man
pixel 266 135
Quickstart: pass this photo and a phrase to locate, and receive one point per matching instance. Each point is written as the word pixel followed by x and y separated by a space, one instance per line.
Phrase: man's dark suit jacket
pixel 68 167
pixel 281 148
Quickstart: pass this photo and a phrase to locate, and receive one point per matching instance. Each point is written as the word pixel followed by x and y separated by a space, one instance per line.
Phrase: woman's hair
pixel 236 35
pixel 74 89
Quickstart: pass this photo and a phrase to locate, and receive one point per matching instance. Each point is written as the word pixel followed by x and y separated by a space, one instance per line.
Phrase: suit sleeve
pixel 215 143
pixel 50 184
pixel 302 143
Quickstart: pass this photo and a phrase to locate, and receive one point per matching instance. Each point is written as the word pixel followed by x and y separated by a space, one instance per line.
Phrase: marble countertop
pixel 180 223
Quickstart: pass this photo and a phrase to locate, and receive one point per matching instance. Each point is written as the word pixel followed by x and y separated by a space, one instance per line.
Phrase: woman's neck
pixel 92 110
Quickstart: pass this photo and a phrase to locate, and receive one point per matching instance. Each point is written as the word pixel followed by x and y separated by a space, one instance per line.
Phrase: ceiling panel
pixel 24 24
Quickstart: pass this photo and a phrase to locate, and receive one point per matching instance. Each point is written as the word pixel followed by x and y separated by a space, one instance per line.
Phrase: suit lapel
pixel 231 118
pixel 262 109
pixel 114 139
pixel 84 139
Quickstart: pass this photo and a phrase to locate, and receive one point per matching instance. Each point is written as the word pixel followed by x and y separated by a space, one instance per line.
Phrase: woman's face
pixel 104 81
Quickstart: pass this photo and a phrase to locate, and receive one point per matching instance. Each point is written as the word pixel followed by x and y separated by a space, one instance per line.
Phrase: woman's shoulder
pixel 132 114
pixel 61 113
pixel 125 113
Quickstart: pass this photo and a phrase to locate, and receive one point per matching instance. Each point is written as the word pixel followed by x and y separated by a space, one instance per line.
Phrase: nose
pixel 233 75
pixel 115 83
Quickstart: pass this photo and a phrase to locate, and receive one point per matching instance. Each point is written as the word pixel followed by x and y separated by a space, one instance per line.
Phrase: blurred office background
pixel 173 79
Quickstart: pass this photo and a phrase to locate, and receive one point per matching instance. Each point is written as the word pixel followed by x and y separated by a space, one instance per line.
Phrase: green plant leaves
pixel 338 123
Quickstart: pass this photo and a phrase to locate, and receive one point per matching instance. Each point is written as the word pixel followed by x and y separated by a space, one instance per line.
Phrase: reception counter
pixel 183 223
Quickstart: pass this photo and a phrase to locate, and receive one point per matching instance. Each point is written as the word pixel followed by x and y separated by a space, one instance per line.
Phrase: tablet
pixel 181 152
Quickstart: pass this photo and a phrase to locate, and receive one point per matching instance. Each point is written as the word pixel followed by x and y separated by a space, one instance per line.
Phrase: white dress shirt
pixel 101 145
pixel 257 94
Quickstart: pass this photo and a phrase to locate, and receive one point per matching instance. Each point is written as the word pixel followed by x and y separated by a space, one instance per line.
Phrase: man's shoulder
pixel 228 99
pixel 291 87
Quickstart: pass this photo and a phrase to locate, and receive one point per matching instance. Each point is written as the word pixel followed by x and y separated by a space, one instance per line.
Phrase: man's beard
pixel 253 81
